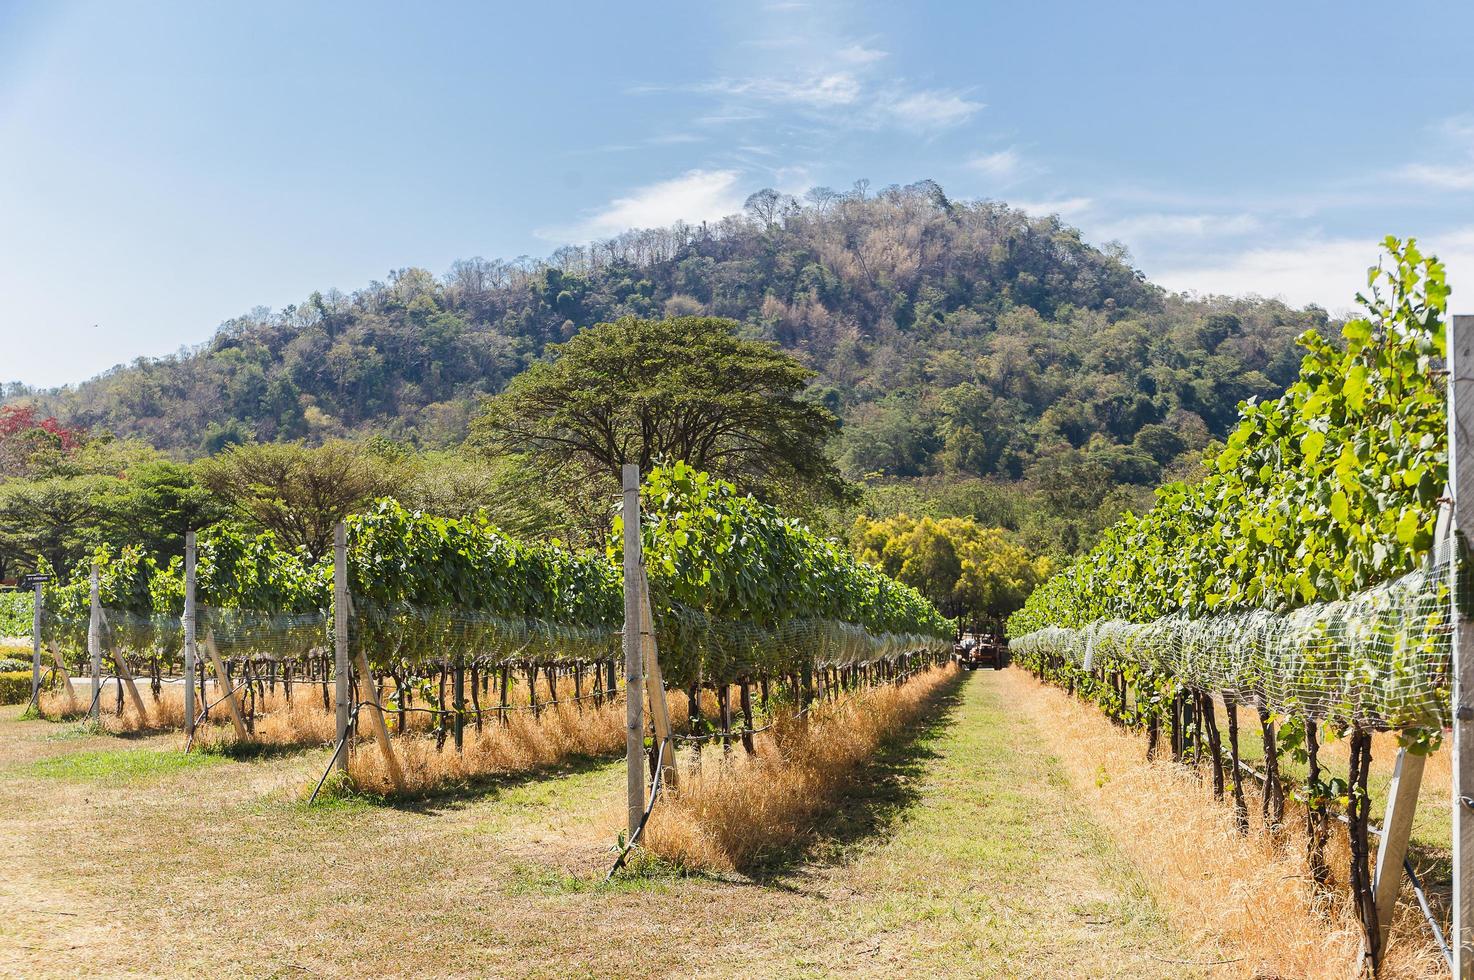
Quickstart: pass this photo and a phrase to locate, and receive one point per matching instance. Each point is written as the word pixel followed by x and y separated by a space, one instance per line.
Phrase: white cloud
pixel 697 195
pixel 1328 272
pixel 1449 178
pixel 820 91
pixel 1175 226
pixel 928 108
pixel 1064 207
pixel 1001 165
pixel 1457 135
pixel 858 54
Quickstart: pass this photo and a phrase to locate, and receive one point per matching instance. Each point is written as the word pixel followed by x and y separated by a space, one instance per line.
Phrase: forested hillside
pixel 956 338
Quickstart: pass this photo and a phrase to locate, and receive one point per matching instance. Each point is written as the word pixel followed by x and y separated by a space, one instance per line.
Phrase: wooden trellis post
pixel 1461 485
pixel 340 638
pixel 36 645
pixel 190 557
pixel 94 647
pixel 633 674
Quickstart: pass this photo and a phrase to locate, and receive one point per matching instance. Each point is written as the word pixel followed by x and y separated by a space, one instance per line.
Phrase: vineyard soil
pixel 970 854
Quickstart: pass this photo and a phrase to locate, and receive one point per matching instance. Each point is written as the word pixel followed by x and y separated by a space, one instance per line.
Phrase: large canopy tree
pixel 298 492
pixel 684 388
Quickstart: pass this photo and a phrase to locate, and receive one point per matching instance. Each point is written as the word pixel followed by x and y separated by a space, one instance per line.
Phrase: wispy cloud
pixel 1456 135
pixel 799 63
pixel 928 108
pixel 1168 226
pixel 697 195
pixel 859 54
pixel 816 91
pixel 1441 176
pixel 1064 207
pixel 1002 165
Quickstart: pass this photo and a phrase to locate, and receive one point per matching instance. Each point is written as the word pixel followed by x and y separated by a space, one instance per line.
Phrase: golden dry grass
pixel 163 712
pixel 1249 893
pixel 734 811
pixel 523 743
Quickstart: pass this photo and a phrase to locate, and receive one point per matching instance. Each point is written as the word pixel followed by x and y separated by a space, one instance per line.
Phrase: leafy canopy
pixel 685 388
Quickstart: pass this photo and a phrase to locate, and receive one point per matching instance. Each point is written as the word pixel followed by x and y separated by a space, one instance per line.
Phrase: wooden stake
pixel 340 639
pixel 1397 827
pixel 36 647
pixel 1461 488
pixel 655 684
pixel 370 694
pixel 634 732
pixel 127 675
pixel 94 647
pixel 66 675
pixel 222 680
pixel 190 612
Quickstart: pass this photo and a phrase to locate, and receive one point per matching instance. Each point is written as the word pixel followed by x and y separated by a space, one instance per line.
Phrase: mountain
pixel 966 339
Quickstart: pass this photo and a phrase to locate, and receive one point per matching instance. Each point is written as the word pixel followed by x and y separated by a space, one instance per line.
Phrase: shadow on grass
pixel 874 803
pixel 450 797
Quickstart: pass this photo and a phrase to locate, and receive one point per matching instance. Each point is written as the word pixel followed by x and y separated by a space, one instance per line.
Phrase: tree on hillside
pixel 686 388
pixel 976 573
pixel 295 491
pixel 57 518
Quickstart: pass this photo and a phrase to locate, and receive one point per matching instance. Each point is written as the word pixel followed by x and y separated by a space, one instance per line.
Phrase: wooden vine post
pixel 94 647
pixel 633 650
pixel 340 640
pixel 190 654
pixel 36 643
pixel 1461 485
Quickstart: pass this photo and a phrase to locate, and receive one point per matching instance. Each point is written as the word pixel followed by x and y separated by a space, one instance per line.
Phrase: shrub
pixel 15 687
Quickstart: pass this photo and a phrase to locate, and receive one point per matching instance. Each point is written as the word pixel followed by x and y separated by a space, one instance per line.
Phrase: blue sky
pixel 164 166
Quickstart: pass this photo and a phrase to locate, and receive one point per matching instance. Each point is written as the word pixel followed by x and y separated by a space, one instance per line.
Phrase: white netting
pixel 1377 660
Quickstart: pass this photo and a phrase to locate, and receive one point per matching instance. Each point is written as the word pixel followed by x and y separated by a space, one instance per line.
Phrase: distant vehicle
pixel 985 650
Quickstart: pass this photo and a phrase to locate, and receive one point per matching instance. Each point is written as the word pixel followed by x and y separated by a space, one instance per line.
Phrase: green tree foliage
pixel 1320 493
pixel 298 492
pixel 686 388
pixel 973 573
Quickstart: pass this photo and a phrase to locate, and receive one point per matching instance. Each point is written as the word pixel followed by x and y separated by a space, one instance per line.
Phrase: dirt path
pixel 968 856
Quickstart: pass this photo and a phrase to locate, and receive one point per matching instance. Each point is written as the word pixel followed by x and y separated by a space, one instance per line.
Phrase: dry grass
pixel 735 813
pixel 160 713
pixel 524 742
pixel 1251 893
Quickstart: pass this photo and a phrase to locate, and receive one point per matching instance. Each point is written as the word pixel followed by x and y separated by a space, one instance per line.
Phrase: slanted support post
pixel 633 672
pixel 655 686
pixel 1461 488
pixel 369 693
pixel 190 653
pixel 1397 827
pixel 340 638
pixel 94 647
